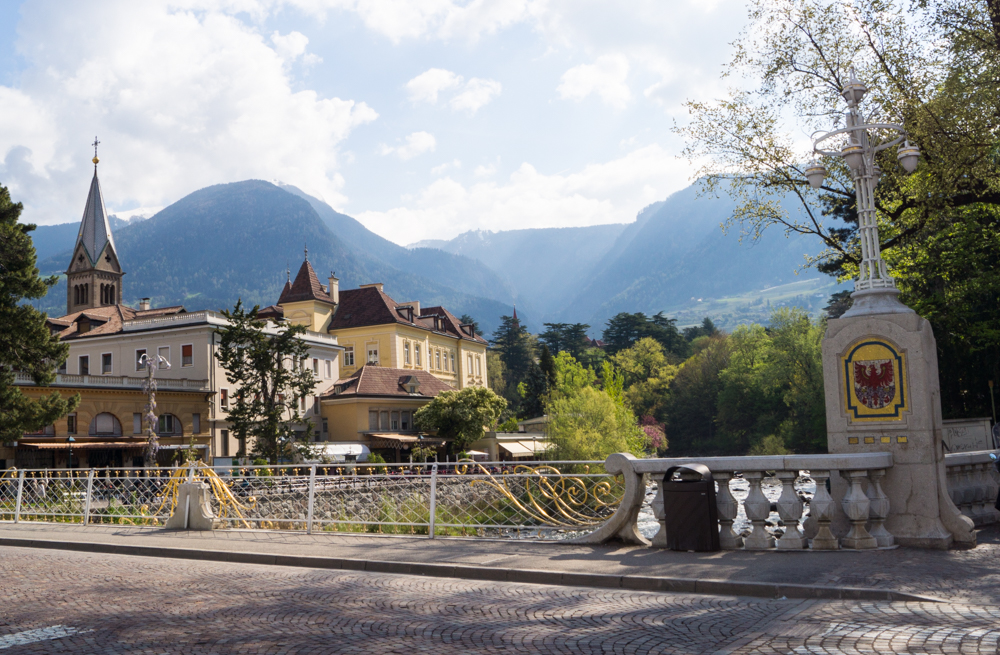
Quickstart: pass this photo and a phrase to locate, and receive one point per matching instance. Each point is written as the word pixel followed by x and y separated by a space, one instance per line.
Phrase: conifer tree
pixel 26 344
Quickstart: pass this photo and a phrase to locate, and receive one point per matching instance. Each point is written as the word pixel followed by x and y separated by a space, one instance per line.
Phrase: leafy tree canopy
pixel 26 345
pixel 568 337
pixel 624 330
pixel 267 366
pixel 461 415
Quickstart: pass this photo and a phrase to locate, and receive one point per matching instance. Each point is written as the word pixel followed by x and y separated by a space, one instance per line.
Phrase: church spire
pixel 94 274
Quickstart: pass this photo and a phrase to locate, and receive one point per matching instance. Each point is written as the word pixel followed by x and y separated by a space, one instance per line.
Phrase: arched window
pixel 76 294
pixel 105 425
pixel 169 425
pixel 86 293
pixel 112 299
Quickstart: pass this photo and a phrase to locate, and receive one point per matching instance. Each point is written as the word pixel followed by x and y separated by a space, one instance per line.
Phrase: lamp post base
pixel 876 301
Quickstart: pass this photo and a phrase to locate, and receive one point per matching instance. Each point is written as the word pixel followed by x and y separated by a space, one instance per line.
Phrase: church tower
pixel 94 276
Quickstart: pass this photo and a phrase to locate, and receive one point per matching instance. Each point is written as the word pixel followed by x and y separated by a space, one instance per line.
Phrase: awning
pixel 402 438
pixel 476 453
pixel 90 445
pixel 536 445
pixel 338 452
pixel 399 441
pixel 516 449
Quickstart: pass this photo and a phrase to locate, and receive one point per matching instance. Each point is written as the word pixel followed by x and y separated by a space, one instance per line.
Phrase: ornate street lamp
pixel 152 364
pixel 875 290
pixel 70 441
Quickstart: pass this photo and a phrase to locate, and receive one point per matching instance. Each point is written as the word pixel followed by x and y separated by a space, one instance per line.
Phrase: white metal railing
pixel 125 381
pixel 973 484
pixel 544 499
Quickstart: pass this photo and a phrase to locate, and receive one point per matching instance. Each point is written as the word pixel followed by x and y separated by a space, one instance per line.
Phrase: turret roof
pixel 95 231
pixel 305 287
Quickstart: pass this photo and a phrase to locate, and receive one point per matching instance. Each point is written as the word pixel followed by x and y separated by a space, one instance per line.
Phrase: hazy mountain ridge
pixel 235 240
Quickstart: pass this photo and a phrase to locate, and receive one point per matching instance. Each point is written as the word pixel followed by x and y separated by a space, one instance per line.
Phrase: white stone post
pixel 90 491
pixel 878 509
pixel 856 507
pixel 433 503
pixel 978 494
pixel 728 507
pixel 312 498
pixel 758 508
pixel 790 511
pixel 20 491
pixel 822 508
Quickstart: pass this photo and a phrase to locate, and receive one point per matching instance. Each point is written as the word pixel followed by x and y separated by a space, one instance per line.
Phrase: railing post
pixel 822 508
pixel 86 504
pixel 878 509
pixel 790 511
pixel 728 507
pixel 312 498
pixel 856 506
pixel 434 479
pixel 758 508
pixel 20 491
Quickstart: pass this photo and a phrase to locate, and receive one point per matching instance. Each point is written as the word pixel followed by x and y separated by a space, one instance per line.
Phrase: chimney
pixel 334 289
pixel 144 304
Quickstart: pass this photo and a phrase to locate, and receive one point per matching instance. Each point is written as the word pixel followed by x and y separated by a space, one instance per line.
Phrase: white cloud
pixel 179 99
pixel 292 46
pixel 606 77
pixel 611 192
pixel 478 93
pixel 416 144
pixel 426 86
pixel 443 168
pixel 474 94
pixel 485 171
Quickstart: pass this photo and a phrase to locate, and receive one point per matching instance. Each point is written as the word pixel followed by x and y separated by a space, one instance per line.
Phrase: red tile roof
pixel 108 320
pixel 372 380
pixel 305 287
pixel 371 306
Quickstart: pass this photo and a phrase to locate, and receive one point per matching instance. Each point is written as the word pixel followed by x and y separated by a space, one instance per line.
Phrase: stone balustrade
pixel 973 483
pixel 863 507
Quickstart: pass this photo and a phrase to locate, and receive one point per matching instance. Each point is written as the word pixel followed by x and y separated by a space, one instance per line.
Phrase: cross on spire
pixel 95 144
pixel 306 248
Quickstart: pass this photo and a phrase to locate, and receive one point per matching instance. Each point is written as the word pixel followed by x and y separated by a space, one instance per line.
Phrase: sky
pixel 423 119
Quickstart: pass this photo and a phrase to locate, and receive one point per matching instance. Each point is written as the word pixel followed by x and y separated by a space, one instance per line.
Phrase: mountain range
pixel 236 241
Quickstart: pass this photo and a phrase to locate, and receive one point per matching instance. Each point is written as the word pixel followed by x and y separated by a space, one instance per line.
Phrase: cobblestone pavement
pixel 68 602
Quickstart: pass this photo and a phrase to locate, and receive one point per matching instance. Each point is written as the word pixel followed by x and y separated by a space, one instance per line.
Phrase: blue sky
pixel 421 118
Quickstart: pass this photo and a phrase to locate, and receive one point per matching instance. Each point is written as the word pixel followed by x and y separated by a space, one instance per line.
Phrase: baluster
pixel 660 538
pixel 991 489
pixel 758 508
pixel 878 509
pixel 821 507
pixel 790 511
pixel 968 493
pixel 978 494
pixel 728 508
pixel 856 506
pixel 954 484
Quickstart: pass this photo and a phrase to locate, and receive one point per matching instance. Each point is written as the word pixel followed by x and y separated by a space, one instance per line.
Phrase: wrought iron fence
pixel 504 500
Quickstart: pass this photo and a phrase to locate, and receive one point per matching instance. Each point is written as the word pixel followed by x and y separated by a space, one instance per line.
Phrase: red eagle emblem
pixel 874 382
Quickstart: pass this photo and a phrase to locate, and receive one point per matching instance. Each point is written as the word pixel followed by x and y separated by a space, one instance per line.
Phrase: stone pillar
pixel 193 510
pixel 728 507
pixel 880 372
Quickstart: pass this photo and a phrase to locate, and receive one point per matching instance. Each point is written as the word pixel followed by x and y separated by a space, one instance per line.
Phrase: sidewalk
pixel 964 576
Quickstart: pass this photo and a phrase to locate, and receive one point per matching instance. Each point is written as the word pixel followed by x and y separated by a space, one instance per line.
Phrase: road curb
pixel 493 574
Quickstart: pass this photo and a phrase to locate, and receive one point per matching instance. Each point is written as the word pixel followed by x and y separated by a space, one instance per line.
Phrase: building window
pixel 326 429
pixel 406 352
pixel 404 421
pixel 349 356
pixel 84 368
pixel 315 366
pixel 372 420
pixel 139 354
pixel 105 424
pixel 416 353
pixel 373 356
pixel 196 424
pixel 329 369
pixel 136 423
pixel 187 355
pixel 437 357
pixel 164 352
pixel 453 362
pixel 302 403
pixel 71 424
pixel 224 398
pixel 169 424
pixel 479 367
pixel 106 364
pixel 225 442
pixel 316 405
pixel 62 367
pixel 394 421
pixel 383 420
pixel 469 372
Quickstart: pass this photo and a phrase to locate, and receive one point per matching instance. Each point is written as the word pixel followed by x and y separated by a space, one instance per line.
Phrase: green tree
pixel 590 425
pixel 267 367
pixel 571 376
pixel 692 405
pixel 795 364
pixel 465 319
pixel 647 375
pixel 515 347
pixel 26 344
pixel 624 330
pixel 749 404
pixel 461 415
pixel 568 337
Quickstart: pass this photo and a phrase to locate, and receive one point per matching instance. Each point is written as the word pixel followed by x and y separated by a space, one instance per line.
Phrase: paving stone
pixel 110 603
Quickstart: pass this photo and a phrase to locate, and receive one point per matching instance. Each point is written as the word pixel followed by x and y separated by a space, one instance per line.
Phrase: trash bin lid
pixel 701 469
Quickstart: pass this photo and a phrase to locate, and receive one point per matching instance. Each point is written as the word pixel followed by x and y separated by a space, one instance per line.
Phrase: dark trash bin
pixel 691 517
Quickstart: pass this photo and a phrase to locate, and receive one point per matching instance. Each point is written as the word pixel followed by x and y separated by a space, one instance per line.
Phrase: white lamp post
pixel 875 291
pixel 151 365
